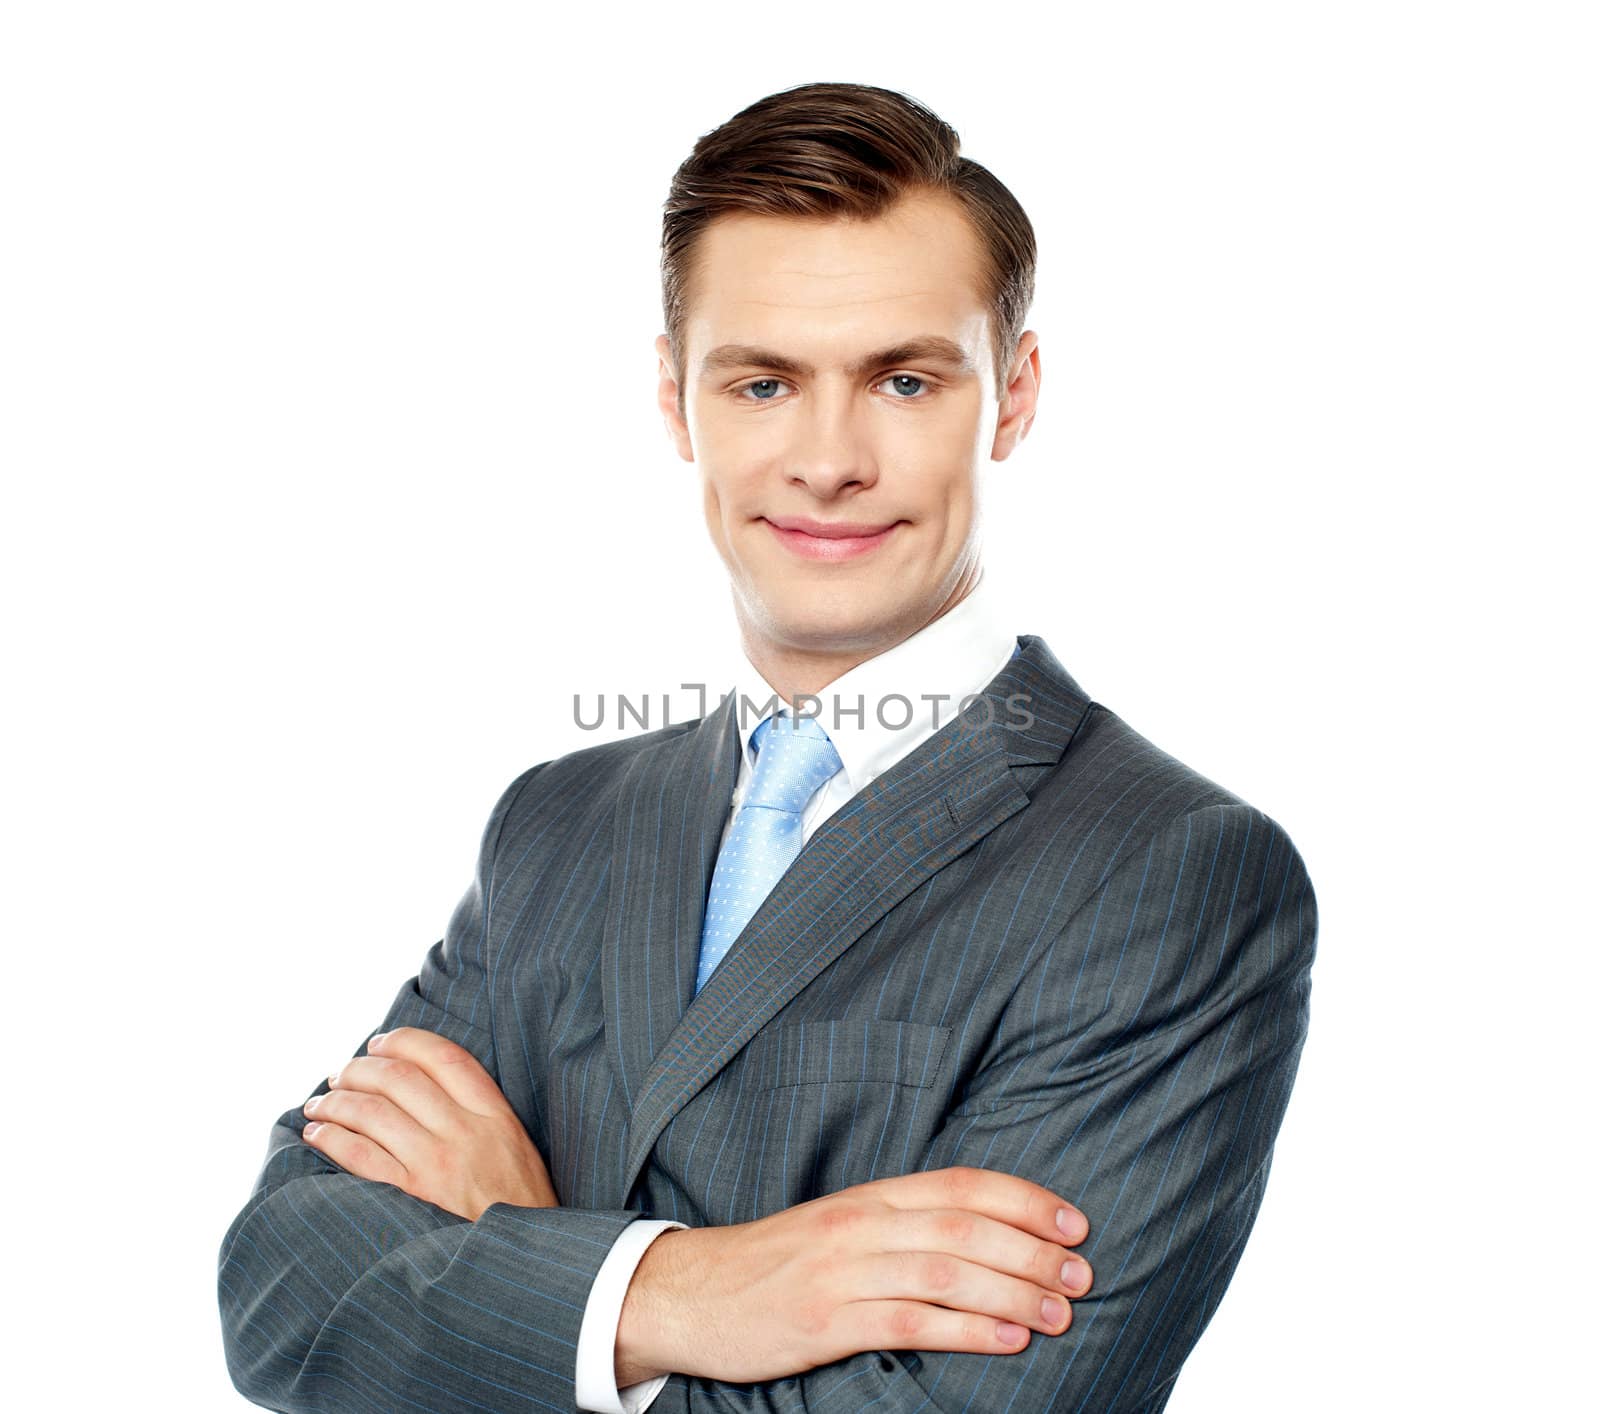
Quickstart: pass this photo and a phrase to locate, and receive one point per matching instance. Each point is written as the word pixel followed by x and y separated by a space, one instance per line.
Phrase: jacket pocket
pixel 851 1050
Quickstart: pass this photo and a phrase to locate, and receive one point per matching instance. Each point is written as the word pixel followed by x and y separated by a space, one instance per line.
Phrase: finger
pixel 378 1119
pixel 912 1325
pixel 452 1067
pixel 354 1152
pixel 1002 1196
pixel 940 1279
pixel 975 1237
pixel 406 1086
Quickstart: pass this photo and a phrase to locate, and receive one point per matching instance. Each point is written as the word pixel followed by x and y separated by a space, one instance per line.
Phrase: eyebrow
pixel 926 348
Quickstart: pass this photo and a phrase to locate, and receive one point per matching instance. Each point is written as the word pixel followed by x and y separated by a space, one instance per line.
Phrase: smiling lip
pixel 825 540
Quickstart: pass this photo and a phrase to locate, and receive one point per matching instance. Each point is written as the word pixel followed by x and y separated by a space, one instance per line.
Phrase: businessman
pixel 906 1032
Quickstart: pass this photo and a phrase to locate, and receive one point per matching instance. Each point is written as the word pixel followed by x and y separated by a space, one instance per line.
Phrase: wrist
pixel 646 1339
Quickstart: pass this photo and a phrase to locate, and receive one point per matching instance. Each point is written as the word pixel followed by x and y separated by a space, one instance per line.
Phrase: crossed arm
pixel 1141 1070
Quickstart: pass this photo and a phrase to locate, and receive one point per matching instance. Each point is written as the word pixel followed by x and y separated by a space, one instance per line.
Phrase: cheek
pixel 726 506
pixel 714 503
pixel 730 485
pixel 947 478
pixel 943 454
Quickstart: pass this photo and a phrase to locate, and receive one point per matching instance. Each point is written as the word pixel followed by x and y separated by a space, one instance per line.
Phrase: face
pixel 840 403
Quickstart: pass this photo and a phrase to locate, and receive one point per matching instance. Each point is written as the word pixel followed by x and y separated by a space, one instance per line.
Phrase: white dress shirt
pixel 875 715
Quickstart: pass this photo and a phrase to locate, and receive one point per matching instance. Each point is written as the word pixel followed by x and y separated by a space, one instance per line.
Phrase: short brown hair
pixel 830 149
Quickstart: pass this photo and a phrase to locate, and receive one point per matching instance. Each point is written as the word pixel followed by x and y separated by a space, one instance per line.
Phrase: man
pixel 823 1056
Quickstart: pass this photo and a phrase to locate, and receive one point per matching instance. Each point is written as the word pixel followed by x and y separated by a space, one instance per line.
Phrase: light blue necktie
pixel 794 759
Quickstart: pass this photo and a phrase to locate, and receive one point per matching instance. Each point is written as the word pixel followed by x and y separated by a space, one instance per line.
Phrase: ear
pixel 667 400
pixel 1021 399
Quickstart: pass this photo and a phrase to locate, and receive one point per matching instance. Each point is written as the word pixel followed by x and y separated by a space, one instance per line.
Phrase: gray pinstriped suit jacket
pixel 1050 949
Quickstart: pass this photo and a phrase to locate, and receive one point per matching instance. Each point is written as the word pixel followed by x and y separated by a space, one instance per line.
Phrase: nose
pixel 830 452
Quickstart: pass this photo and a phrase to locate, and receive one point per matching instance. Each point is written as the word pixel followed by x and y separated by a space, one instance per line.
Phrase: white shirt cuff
pixel 596 1381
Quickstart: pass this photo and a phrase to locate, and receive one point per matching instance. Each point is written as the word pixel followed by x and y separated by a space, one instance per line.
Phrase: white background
pixel 332 469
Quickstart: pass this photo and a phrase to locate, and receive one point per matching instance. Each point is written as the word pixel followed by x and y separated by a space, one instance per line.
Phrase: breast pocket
pixel 852 1050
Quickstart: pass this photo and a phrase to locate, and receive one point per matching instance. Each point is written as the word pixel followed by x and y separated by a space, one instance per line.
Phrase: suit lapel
pixel 909 823
pixel 667 825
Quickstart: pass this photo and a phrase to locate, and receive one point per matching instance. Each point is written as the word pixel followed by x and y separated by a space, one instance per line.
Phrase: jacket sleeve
pixel 1141 1069
pixel 340 1293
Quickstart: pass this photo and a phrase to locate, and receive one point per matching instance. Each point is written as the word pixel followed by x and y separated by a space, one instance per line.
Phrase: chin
pixel 843 619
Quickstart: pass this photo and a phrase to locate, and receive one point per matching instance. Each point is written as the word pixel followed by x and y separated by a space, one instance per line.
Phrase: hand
pixel 959 1258
pixel 420 1112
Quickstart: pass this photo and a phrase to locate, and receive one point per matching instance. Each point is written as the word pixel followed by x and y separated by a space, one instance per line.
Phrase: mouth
pixel 829 540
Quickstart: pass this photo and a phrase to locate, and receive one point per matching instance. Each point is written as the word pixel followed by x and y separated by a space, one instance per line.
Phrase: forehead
pixel 814 285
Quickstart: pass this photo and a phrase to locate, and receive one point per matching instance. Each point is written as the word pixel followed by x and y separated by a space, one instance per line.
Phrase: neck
pixel 797 670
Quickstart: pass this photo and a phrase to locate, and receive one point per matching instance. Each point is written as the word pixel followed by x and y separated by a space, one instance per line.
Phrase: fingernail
pixel 311 1129
pixel 1075 1274
pixel 375 1038
pixel 1072 1225
pixel 312 1103
pixel 1053 1311
pixel 1011 1332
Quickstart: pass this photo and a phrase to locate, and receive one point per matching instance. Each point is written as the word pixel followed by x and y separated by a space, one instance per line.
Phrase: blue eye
pixel 759 383
pixel 902 378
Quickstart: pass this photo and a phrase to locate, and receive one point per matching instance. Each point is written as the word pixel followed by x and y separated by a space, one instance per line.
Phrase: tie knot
pixel 793 758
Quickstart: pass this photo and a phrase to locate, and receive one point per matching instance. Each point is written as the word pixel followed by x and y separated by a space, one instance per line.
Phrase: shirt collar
pixel 885 707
